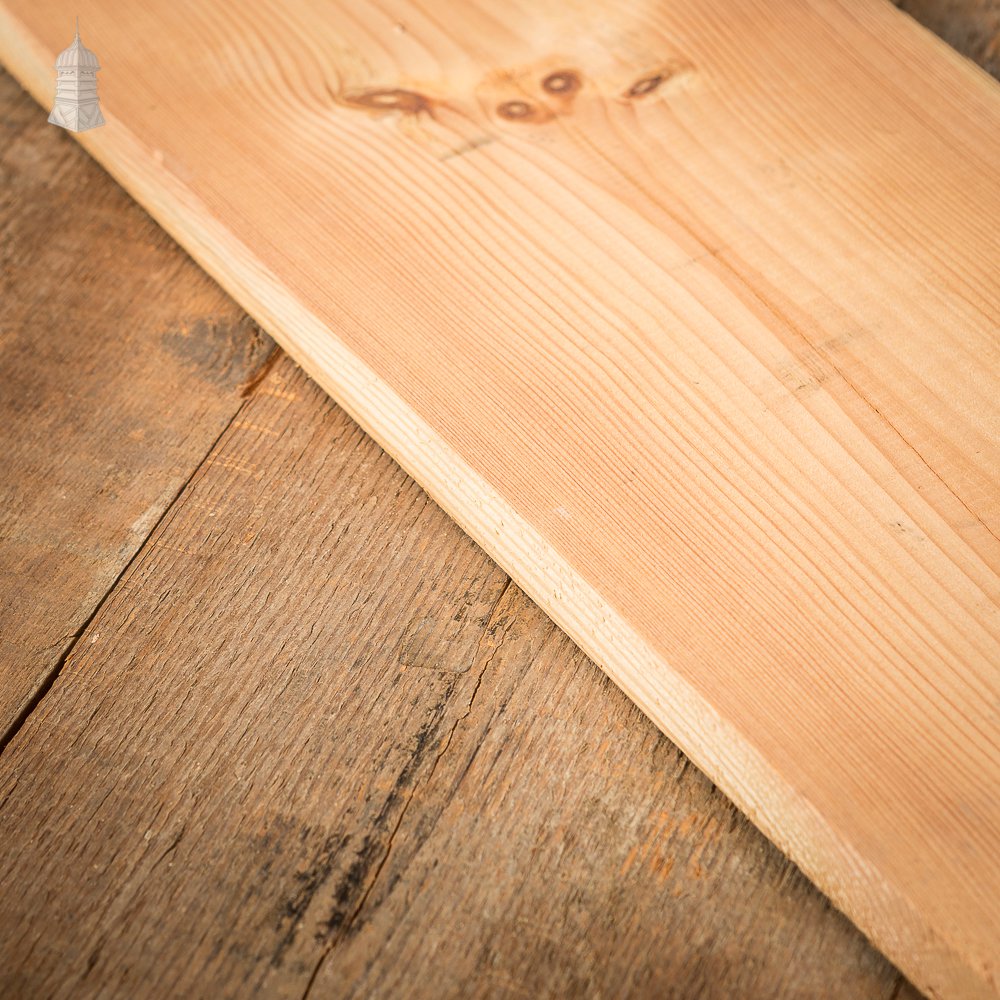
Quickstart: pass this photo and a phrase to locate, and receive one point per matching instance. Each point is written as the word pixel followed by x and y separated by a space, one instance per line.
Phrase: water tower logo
pixel 76 106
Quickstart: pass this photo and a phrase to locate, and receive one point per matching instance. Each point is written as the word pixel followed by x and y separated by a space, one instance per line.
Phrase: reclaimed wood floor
pixel 271 723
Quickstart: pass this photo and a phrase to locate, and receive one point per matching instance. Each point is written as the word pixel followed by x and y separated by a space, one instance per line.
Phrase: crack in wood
pixel 346 925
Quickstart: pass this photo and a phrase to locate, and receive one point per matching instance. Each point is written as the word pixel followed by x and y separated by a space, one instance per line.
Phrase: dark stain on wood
pixel 220 348
pixel 307 882
pixel 350 888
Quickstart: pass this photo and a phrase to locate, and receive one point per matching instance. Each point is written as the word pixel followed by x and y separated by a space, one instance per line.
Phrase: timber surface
pixel 111 394
pixel 313 741
pixel 701 965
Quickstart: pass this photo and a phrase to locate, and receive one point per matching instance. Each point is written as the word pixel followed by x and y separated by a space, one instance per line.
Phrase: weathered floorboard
pixel 314 736
pixel 121 364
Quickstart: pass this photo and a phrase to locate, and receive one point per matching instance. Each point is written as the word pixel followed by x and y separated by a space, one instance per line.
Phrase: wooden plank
pixel 314 743
pixel 732 422
pixel 111 393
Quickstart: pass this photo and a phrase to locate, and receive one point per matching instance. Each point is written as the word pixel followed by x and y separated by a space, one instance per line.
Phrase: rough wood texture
pixel 701 351
pixel 316 744
pixel 98 433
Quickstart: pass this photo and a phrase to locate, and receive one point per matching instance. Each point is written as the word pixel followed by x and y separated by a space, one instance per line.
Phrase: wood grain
pixel 315 743
pixel 702 353
pixel 111 393
pixel 699 905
